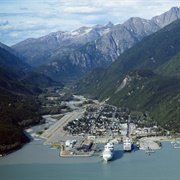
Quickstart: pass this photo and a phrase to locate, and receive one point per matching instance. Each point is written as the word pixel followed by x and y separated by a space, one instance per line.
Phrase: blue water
pixel 38 162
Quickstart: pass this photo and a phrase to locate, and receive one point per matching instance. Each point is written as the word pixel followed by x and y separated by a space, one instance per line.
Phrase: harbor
pixel 82 152
pixel 72 142
pixel 86 129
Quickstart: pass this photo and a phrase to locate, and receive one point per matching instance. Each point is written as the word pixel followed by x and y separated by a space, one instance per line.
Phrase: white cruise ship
pixel 127 145
pixel 108 152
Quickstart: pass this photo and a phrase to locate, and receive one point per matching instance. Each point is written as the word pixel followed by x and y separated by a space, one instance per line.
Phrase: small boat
pixel 148 150
pixel 176 145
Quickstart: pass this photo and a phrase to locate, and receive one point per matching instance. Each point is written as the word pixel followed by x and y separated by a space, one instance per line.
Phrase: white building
pixel 70 143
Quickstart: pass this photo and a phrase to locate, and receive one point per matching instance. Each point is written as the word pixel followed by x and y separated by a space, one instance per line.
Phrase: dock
pixel 72 154
pixel 83 149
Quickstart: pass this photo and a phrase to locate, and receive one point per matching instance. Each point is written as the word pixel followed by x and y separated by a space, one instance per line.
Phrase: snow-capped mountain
pixel 75 53
pixel 58 44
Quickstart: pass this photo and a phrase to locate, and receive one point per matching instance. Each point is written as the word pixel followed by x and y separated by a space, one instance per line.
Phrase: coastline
pixel 153 143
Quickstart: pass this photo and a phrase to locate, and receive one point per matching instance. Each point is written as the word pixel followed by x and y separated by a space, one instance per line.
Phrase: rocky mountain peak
pixel 175 9
pixel 167 17
pixel 81 30
pixel 109 25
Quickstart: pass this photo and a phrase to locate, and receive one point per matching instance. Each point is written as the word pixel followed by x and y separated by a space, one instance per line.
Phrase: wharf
pixel 70 154
pixel 85 148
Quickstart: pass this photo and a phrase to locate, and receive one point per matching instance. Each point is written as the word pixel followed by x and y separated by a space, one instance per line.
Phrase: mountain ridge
pixel 139 79
pixel 18 103
pixel 105 50
pixel 58 44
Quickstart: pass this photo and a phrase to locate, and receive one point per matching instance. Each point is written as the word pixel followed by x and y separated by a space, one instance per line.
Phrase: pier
pixel 79 149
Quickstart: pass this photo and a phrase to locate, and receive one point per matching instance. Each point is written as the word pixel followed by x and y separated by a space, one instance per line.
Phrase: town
pixel 89 124
pixel 103 120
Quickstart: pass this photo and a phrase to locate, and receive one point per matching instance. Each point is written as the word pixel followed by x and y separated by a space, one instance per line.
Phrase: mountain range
pixel 72 54
pixel 58 44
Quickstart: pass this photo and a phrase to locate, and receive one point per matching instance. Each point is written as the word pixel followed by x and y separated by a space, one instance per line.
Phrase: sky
pixel 22 19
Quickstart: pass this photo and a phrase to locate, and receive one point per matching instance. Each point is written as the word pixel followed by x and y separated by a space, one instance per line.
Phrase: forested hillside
pixel 145 78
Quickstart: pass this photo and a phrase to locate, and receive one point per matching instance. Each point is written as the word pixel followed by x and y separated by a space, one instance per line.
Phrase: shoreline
pixel 63 154
pixel 152 143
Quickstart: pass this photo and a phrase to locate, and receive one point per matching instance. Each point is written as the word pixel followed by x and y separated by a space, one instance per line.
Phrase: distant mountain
pixel 131 81
pixel 40 80
pixel 56 45
pixel 13 66
pixel 104 51
pixel 12 71
pixel 9 60
pixel 12 51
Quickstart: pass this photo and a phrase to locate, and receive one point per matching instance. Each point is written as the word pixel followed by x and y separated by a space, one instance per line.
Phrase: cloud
pixel 81 9
pixel 23 8
pixel 23 19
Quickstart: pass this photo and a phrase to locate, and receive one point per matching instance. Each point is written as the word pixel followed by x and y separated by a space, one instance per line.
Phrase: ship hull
pixel 108 152
pixel 107 158
pixel 108 155
pixel 127 145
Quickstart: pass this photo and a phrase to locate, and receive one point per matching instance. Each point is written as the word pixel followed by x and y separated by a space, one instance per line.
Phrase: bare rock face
pixel 56 45
pixel 167 17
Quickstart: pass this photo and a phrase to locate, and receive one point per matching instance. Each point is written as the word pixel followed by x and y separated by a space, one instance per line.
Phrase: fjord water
pixel 38 162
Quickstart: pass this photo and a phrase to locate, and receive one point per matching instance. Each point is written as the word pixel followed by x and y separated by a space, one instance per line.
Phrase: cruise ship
pixel 127 145
pixel 108 151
